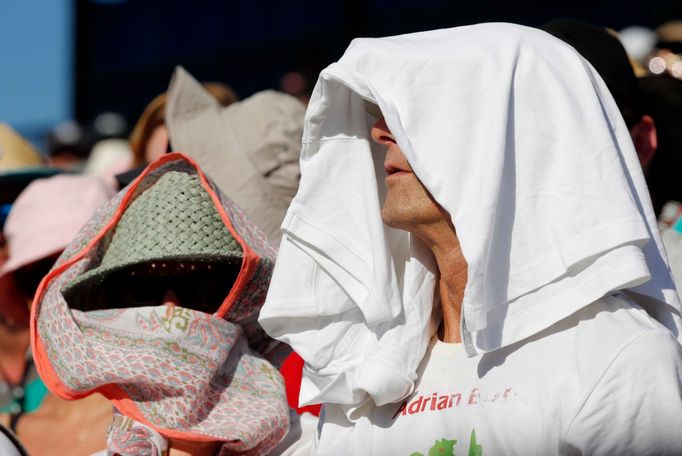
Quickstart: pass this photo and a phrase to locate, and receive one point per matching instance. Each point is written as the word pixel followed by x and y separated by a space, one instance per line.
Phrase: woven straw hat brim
pixel 82 288
pixel 16 152
pixel 172 220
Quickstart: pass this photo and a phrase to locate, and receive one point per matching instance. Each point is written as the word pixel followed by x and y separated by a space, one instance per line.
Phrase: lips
pixel 392 168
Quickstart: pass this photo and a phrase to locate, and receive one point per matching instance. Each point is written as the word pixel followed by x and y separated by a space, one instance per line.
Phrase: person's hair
pixel 153 117
pixel 607 55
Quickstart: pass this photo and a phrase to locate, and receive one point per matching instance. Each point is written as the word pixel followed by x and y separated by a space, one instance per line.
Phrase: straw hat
pixel 20 164
pixel 173 220
pixel 15 151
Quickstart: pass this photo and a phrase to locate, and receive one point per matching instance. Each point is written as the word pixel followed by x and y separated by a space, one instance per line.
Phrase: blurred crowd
pixel 96 216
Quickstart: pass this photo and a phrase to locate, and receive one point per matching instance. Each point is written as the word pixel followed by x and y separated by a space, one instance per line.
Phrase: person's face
pixel 408 203
pixel 198 286
pixel 158 144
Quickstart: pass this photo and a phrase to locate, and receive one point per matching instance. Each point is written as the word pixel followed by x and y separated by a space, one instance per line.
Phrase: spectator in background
pixel 659 147
pixel 149 138
pixel 110 154
pixel 68 145
pixel 159 313
pixel 662 95
pixel 638 42
pixel 42 221
pixel 20 164
pixel 666 56
pixel 17 153
pixel 607 55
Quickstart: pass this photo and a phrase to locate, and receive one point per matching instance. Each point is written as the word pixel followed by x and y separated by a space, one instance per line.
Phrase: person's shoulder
pixel 642 339
pixel 588 343
pixel 651 351
pixel 631 401
pixel 644 361
pixel 614 322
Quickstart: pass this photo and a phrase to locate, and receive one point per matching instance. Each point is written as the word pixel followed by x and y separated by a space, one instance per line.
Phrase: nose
pixel 381 134
pixel 170 299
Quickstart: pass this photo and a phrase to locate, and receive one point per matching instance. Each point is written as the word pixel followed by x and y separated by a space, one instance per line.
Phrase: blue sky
pixel 36 64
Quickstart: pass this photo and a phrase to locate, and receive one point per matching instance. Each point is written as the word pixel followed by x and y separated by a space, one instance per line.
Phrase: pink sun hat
pixel 48 214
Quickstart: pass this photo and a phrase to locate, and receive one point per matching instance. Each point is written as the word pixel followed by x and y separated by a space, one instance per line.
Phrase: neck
pixel 441 239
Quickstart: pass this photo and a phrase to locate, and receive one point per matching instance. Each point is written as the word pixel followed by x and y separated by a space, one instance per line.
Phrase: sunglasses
pixel 197 286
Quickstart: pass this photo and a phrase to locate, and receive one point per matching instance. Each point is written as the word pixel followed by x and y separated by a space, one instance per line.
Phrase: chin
pixel 409 205
pixel 396 217
pixel 412 217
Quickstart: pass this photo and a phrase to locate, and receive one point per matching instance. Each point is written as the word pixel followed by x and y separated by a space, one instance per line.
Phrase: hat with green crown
pixel 174 220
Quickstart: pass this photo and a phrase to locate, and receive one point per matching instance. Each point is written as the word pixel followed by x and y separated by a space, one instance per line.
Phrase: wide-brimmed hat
pixel 15 151
pixel 187 374
pixel 41 223
pixel 251 148
pixel 20 164
pixel 173 220
pixel 48 214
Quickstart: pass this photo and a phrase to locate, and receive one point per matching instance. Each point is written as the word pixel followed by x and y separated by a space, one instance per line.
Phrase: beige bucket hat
pixel 250 148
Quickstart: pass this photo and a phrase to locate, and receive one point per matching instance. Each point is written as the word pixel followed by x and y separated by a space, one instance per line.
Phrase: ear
pixel 643 135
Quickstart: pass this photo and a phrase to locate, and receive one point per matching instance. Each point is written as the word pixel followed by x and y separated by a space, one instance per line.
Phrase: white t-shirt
pixel 605 381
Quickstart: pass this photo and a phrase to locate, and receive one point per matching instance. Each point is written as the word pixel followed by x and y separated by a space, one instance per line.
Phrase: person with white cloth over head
pixel 471 264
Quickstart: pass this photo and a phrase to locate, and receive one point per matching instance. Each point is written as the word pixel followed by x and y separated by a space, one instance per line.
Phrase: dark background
pixel 126 50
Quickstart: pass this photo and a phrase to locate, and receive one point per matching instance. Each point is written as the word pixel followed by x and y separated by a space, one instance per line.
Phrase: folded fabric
pixel 130 438
pixel 516 136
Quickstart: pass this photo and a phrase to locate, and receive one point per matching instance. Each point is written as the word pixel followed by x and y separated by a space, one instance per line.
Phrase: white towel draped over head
pixel 518 138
